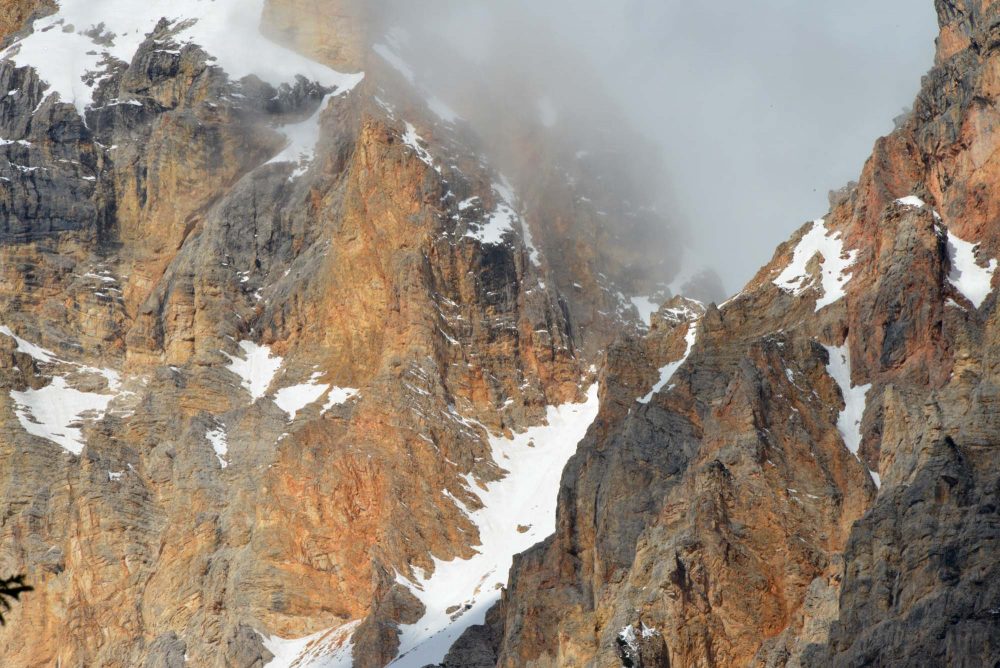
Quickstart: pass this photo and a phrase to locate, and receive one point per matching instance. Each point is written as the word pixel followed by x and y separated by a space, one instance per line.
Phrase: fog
pixel 756 108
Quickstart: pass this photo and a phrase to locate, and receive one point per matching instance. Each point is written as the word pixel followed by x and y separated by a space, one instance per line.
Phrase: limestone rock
pixel 260 341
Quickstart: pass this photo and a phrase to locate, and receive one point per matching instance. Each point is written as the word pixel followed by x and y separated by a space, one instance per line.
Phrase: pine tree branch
pixel 11 590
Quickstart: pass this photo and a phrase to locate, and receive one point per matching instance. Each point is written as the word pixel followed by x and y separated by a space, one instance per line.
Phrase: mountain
pixel 305 363
pixel 817 484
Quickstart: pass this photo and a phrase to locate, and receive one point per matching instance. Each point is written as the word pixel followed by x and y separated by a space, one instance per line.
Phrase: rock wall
pixel 334 32
pixel 251 384
pixel 727 517
pixel 295 364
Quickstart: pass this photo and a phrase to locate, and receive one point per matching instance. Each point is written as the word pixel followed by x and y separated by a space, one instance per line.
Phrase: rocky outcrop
pixel 334 32
pixel 15 15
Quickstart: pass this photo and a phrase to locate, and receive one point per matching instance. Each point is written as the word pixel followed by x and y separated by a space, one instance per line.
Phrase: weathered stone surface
pixel 744 531
pixel 15 15
pixel 722 522
pixel 150 239
pixel 334 32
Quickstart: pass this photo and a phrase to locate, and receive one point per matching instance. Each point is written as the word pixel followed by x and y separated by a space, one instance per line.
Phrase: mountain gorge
pixel 303 366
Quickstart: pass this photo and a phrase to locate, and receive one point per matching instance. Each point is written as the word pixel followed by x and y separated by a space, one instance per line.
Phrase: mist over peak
pixel 378 334
pixel 725 111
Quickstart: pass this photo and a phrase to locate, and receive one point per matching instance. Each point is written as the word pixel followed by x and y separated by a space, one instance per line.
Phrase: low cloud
pixel 741 115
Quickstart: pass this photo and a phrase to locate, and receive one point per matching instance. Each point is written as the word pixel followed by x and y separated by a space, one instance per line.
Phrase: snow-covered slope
pixel 70 49
pixel 833 268
pixel 330 648
pixel 855 400
pixel 667 371
pixel 256 369
pixel 967 275
pixel 57 411
pixel 518 511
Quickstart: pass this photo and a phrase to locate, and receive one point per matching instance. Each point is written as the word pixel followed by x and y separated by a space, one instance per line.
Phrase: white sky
pixel 761 106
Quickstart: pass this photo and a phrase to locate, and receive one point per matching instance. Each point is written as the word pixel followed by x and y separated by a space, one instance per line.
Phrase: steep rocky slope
pixel 730 518
pixel 292 358
pixel 277 343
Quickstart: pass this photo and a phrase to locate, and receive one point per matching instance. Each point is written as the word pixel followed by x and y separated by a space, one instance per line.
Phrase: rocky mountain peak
pixel 307 359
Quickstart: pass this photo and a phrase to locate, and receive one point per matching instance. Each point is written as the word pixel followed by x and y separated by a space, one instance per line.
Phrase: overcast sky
pixel 760 107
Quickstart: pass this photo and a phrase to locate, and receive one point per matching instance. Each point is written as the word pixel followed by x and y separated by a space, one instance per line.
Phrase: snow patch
pixel 338 396
pixel 526 497
pixel 668 371
pixel 506 192
pixel 302 139
pixel 256 369
pixel 104 278
pixel 912 201
pixel 855 398
pixel 916 203
pixel 501 222
pixel 967 275
pixel 64 54
pixel 220 443
pixel 295 398
pixel 646 308
pixel 628 638
pixel 416 142
pixel 37 352
pixel 331 648
pixel 56 411
pixel 529 243
pixel 688 311
pixel 835 262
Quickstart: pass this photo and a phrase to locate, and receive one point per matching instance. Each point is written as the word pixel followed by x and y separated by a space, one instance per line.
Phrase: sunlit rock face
pixel 14 15
pixel 299 366
pixel 815 483
pixel 279 344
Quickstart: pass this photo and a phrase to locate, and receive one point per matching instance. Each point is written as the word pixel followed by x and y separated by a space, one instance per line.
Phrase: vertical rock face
pixel 288 365
pixel 270 330
pixel 334 32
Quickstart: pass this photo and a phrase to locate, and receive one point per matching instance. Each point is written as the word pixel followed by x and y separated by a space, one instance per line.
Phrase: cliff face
pixel 14 15
pixel 335 32
pixel 726 521
pixel 259 333
pixel 289 371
